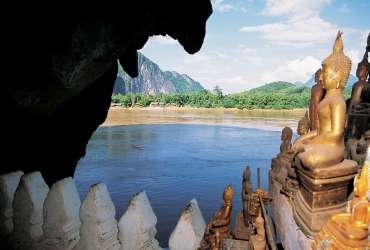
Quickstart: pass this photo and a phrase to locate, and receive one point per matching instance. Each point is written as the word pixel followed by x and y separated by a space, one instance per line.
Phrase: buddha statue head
pixel 228 193
pixel 286 134
pixel 303 125
pixel 336 67
pixel 318 76
pixel 363 68
pixel 361 146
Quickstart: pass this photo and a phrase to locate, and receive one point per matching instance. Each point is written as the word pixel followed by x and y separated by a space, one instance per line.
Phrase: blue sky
pixel 250 42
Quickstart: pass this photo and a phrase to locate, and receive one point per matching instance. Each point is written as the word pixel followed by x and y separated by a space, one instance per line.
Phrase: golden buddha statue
pixel 324 147
pixel 350 230
pixel 362 72
pixel 219 224
pixel 323 173
pixel 317 94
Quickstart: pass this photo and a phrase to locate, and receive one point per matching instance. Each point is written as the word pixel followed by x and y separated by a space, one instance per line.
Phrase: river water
pixel 179 154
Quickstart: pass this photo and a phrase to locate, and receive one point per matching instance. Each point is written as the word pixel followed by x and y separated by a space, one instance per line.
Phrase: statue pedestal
pixel 323 192
pixel 241 232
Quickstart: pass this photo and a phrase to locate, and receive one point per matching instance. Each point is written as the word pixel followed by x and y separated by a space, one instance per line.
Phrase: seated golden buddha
pixel 354 225
pixel 219 224
pixel 324 147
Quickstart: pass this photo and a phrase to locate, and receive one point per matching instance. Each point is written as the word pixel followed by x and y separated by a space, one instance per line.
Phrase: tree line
pixel 278 95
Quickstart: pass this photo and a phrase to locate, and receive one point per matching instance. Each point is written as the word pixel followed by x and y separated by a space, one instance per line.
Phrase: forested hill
pixel 285 87
pixel 183 83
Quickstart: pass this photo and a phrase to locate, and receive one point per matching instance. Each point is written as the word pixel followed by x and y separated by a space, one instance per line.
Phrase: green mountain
pixel 283 87
pixel 183 83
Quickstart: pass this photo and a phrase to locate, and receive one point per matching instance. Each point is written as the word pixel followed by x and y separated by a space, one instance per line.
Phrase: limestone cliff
pixel 150 79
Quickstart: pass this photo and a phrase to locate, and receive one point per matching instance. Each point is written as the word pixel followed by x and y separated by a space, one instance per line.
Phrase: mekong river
pixel 179 154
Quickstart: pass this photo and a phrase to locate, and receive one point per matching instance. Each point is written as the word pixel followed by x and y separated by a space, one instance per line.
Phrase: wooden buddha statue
pixel 219 226
pixel 317 94
pixel 362 72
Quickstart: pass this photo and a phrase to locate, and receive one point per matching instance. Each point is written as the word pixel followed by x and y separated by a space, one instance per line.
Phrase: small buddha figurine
pixel 362 72
pixel 358 152
pixel 302 129
pixel 286 137
pixel 317 94
pixel 221 219
pixel 259 240
pixel 324 147
pixel 246 198
pixel 303 125
pixel 260 225
pixel 285 156
pixel 353 226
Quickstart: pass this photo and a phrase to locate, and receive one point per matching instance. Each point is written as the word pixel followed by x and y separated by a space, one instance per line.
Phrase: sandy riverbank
pixel 263 119
pixel 223 109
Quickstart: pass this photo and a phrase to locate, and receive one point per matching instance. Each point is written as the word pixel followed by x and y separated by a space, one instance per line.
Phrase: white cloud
pixel 294 45
pixel 291 8
pixel 233 80
pixel 243 9
pixel 245 50
pixel 218 5
pixel 301 25
pixel 195 58
pixel 254 60
pixel 344 8
pixel 165 40
pixel 219 54
pixel 293 71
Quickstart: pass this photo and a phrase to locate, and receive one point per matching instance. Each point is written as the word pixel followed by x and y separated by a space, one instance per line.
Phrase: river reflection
pixel 177 155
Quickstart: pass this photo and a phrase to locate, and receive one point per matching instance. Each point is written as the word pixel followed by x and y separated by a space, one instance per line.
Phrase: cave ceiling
pixel 61 65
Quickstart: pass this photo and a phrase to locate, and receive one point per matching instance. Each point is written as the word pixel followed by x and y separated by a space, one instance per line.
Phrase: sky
pixel 250 43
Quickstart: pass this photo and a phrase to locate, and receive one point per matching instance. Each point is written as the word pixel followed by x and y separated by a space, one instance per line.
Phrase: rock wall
pixel 60 68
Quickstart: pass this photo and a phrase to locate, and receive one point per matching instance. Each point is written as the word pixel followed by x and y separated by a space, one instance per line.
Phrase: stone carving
pixel 137 225
pixel 61 215
pixel 189 230
pixel 99 227
pixel 220 222
pixel 259 240
pixel 350 230
pixel 317 94
pixel 323 173
pixel 8 185
pixel 27 208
